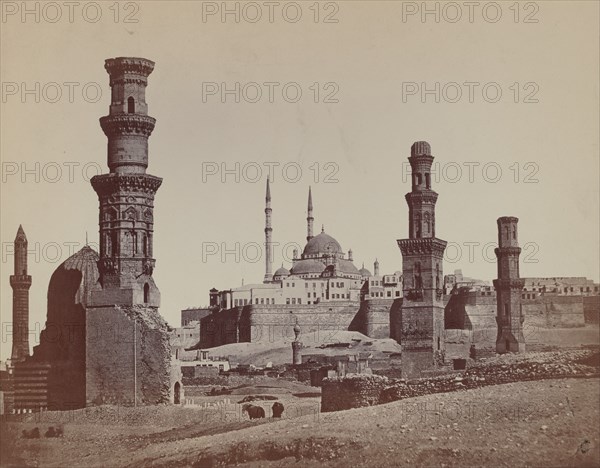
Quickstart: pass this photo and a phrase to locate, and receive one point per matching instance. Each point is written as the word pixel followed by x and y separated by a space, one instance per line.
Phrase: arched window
pixel 146 293
pixel 130 105
pixel 427 180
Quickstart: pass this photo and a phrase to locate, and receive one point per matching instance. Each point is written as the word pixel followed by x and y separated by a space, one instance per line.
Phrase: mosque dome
pixel 68 295
pixel 78 274
pixel 364 272
pixel 282 272
pixel 307 266
pixel 346 266
pixel 322 244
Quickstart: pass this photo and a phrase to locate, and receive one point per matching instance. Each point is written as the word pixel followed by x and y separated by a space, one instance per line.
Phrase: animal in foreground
pixel 254 412
pixel 277 409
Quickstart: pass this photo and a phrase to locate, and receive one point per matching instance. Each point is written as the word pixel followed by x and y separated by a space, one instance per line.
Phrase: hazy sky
pixel 376 63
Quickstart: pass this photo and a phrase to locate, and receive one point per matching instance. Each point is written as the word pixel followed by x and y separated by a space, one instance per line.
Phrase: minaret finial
pixel 309 218
pixel 268 196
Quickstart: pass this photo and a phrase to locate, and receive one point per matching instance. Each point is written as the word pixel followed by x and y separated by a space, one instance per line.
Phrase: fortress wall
pixel 374 317
pixel 220 328
pixel 318 322
pixel 268 323
pixel 473 311
pixel 591 309
pixel 553 311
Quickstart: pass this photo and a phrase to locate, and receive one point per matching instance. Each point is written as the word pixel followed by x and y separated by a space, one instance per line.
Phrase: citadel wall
pixel 269 323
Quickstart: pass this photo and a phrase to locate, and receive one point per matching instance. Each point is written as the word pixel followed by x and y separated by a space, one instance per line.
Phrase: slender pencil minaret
pixel 20 283
pixel 268 241
pixel 309 219
pixel 509 313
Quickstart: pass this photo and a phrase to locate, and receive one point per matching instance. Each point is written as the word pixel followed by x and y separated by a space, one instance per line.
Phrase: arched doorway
pixel 177 393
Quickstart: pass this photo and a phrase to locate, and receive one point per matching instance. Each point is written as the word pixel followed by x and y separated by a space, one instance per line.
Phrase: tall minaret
pixel 268 240
pixel 20 283
pixel 509 312
pixel 422 257
pixel 126 194
pixel 309 218
pixel 376 268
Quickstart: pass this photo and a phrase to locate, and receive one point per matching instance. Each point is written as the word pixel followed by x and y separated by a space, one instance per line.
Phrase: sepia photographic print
pixel 353 233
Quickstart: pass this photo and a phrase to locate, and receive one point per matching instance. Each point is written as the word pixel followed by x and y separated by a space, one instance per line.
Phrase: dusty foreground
pixel 537 423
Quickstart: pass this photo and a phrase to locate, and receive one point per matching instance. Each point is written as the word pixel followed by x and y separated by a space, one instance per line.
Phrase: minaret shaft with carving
pixel 20 283
pixel 268 237
pixel 126 194
pixel 422 313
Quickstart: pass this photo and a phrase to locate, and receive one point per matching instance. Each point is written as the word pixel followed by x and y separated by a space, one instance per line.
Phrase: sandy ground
pixel 552 423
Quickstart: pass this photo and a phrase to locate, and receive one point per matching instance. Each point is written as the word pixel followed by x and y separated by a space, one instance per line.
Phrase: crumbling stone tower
pixel 509 313
pixel 20 283
pixel 127 352
pixel 422 313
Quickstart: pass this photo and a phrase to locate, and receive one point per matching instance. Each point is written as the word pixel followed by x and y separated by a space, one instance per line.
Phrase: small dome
pixel 322 244
pixel 364 272
pixel 308 266
pixel 282 272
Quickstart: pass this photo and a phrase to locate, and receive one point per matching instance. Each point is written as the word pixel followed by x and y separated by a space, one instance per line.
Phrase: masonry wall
pixel 553 311
pixel 110 356
pixel 354 391
pixel 269 323
pixel 591 309
pixel 373 317
pixel 359 390
pixel 477 312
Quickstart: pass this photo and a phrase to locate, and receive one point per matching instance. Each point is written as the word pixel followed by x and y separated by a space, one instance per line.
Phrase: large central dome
pixel 320 245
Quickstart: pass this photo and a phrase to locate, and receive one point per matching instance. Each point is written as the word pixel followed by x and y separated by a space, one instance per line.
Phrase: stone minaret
pixel 422 313
pixel 20 283
pixel 126 194
pixel 376 267
pixel 309 219
pixel 268 237
pixel 127 354
pixel 509 313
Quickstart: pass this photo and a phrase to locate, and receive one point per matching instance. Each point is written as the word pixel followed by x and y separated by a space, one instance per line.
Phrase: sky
pixel 330 95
